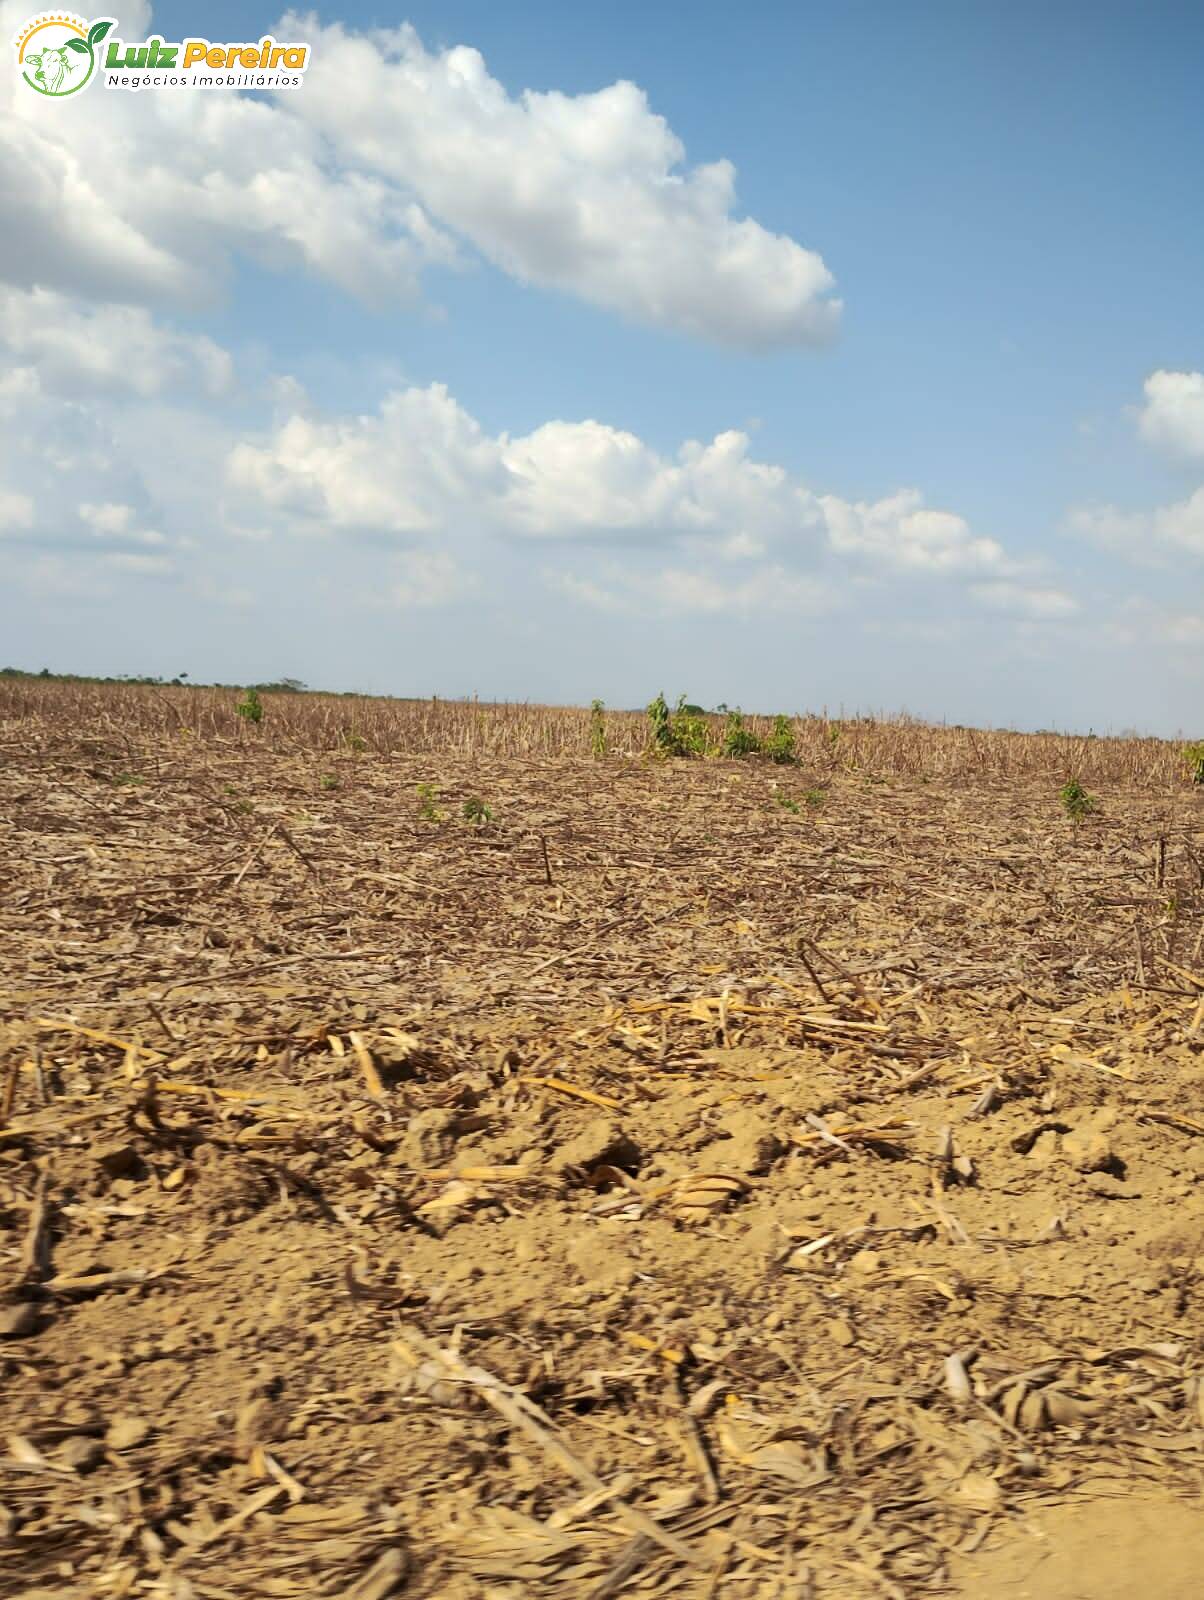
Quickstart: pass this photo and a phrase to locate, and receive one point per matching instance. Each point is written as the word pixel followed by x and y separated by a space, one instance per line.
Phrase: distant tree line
pixel 279 686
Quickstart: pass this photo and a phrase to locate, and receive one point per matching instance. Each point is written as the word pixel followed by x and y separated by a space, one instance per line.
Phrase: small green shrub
pixel 354 741
pixel 779 746
pixel 737 739
pixel 328 781
pixel 477 811
pixel 1193 754
pixel 1075 800
pixel 129 779
pixel 813 800
pixel 690 732
pixel 661 726
pixel 680 732
pixel 250 707
pixel 428 803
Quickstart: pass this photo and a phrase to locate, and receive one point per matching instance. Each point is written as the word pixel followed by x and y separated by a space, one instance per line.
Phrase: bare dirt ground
pixel 653 1190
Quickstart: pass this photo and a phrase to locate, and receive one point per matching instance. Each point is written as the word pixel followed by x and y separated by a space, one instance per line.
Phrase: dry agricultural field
pixel 696 1177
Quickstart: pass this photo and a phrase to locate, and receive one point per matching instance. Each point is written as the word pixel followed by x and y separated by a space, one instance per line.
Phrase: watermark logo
pixel 57 54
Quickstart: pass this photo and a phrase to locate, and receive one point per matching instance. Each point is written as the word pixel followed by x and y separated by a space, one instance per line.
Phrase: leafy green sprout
pixel 477 811
pixel 680 732
pixel 240 806
pixel 1193 755
pixel 250 707
pixel 690 729
pixel 328 780
pixel 779 746
pixel 737 739
pixel 662 725
pixel 428 803
pixel 1076 802
pixel 813 800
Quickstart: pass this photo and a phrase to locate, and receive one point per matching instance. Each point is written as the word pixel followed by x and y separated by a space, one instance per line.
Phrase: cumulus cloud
pixel 77 348
pixel 422 463
pixel 579 479
pixel 141 565
pixel 1171 419
pixel 16 510
pixel 106 519
pixel 681 591
pixel 427 154
pixel 584 193
pixel 413 468
pixel 1148 536
pixel 425 578
pixel 706 529
pixel 1020 600
pixel 19 389
pixel 746 534
pixel 1185 629
pixel 901 531
pixel 113 521
pixel 51 442
pixel 76 512
pixel 1173 414
pixel 130 197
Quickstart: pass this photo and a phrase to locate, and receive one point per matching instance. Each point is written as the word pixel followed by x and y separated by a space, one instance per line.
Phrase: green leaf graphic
pixel 97 32
pixel 79 45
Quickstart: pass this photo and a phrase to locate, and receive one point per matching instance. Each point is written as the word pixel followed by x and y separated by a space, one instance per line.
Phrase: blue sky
pixel 475 452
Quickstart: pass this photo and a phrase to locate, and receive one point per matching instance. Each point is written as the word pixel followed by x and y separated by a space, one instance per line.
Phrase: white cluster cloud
pixel 391 159
pixel 1155 535
pixel 74 503
pixel 421 468
pixel 1020 600
pixel 147 197
pixel 426 578
pixel 1173 414
pixel 1185 628
pixel 111 520
pixel 79 349
pixel 678 591
pixel 1172 419
pixel 16 510
pixel 585 193
pixel 116 203
pixel 415 467
pixel 902 532
pixel 422 463
pixel 581 479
